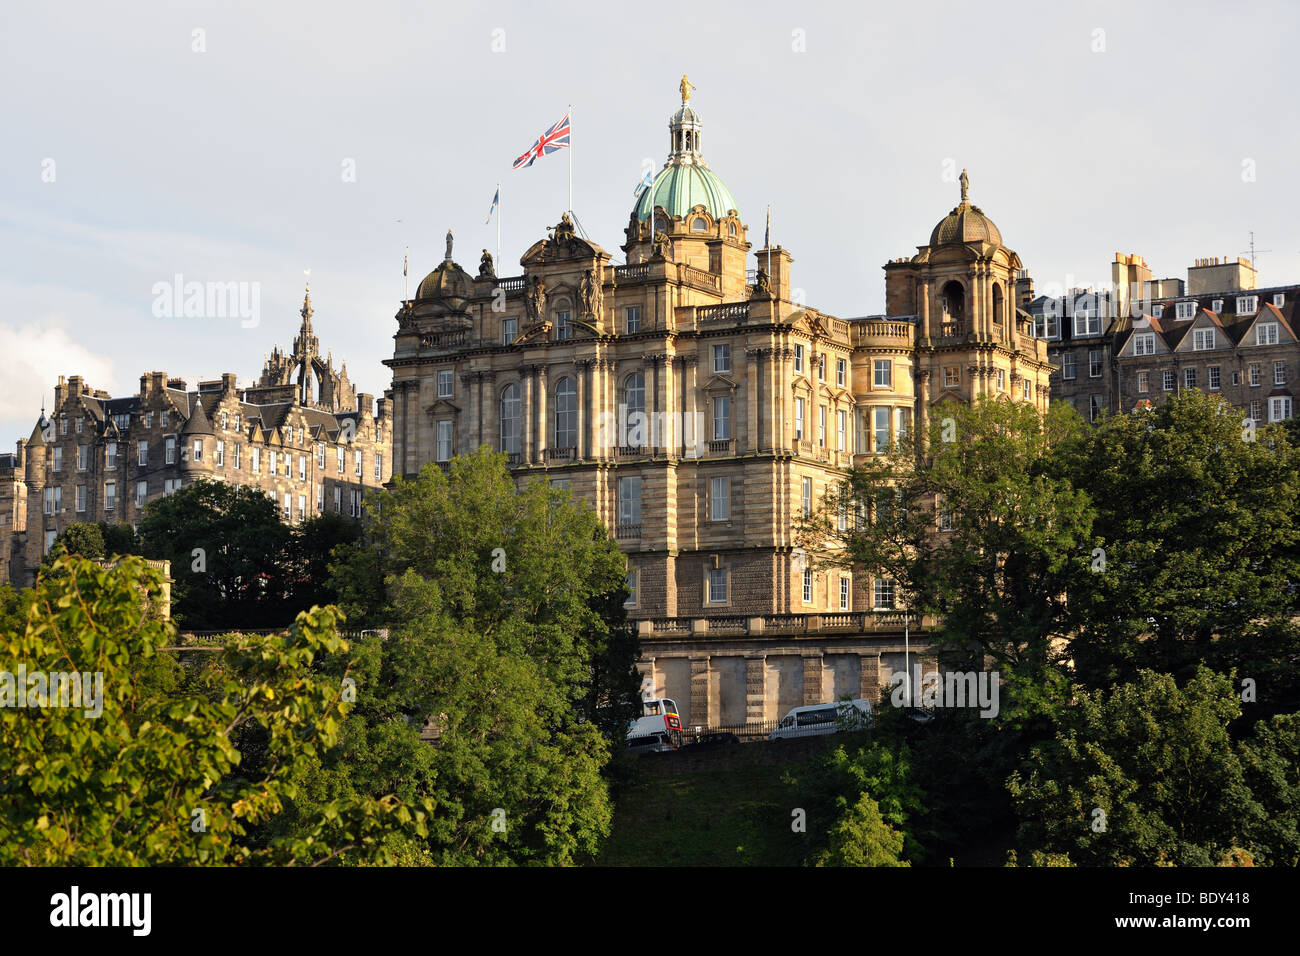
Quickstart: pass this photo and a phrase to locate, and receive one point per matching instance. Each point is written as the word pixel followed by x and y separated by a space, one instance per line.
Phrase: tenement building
pixel 700 410
pixel 1146 339
pixel 302 434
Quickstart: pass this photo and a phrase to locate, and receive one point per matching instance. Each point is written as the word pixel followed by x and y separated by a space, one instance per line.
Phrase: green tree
pixel 1271 758
pixel 509 638
pixel 311 546
pixel 82 538
pixel 228 553
pixel 862 837
pixel 1196 529
pixel 973 527
pixel 133 776
pixel 119 538
pixel 1141 774
pixel 876 801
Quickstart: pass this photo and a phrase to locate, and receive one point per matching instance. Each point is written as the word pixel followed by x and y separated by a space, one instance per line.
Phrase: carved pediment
pixel 443 406
pixel 563 243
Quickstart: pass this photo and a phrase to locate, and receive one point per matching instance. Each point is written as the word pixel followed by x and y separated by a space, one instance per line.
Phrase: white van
pixel 816 719
pixel 657 743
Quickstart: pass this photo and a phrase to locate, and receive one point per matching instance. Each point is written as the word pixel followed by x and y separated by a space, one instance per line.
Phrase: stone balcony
pixel 822 624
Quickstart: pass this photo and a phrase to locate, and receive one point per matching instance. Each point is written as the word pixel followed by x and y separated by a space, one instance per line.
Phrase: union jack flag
pixel 557 137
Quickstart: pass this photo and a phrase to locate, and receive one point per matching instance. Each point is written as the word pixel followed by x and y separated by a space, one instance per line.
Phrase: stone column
pixel 870 679
pixel 756 689
pixel 490 421
pixel 543 425
pixel 813 691
pixel 585 412
pixel 653 402
pixel 526 415
pixel 463 441
pixel 701 711
pixel 753 400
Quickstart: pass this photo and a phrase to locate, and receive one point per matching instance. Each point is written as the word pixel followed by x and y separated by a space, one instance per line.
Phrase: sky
pixel 250 142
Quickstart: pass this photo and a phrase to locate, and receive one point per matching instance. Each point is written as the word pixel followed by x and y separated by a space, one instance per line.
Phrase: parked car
pixel 813 720
pixel 712 741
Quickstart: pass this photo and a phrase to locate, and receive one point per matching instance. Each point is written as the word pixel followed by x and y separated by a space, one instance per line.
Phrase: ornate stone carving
pixel 589 292
pixel 536 299
pixel 486 268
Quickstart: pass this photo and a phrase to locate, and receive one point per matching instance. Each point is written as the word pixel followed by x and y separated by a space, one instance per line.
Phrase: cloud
pixel 32 357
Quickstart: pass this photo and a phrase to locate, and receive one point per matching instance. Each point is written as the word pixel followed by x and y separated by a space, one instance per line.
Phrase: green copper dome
pixel 679 188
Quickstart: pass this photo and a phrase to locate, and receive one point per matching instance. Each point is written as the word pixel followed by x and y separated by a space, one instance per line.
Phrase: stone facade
pixel 98 458
pixel 700 409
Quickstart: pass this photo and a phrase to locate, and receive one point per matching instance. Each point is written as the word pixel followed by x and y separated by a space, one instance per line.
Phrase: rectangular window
pixel 338 500
pixel 903 421
pixel 169 450
pixel 1279 299
pixel 1246 304
pixel 83 455
pixel 1168 380
pixel 63 426
pixel 821 426
pixel 508 327
pixel 379 466
pixel 1279 373
pixel 883 594
pixel 841 428
pixel 302 507
pixel 841 367
pixel 1189 378
pixel 162 420
pixel 945 515
pixel 632 582
pixel 356 504
pixel 302 467
pixel 717 585
pixel 821 368
pixel 844 594
pixel 288 464
pixel 78 426
pixel 1047 326
pixel 881 429
pixel 1266 333
pixel 1212 376
pixel 256 459
pixel 807 586
pixel 805 493
pixel 722 418
pixel 1143 381
pixel 320 455
pixel 1026 389
pixel 339 460
pixel 1255 378
pixel 1002 380
pixel 81 499
pixel 1279 408
pixel 110 455
pixel 1094 407
pixel 720 500
pixel 629 500
pixel 1236 378
pixel 237 449
pixel 883 373
pixel 198 449
pixel 952 376
pixel 444 383
pixel 356 462
pixel 288 511
pixel 1257 411
pixel 1185 310
pixel 722 358
pixel 142 452
pixel 320 499
pixel 563 331
pixel 1085 323
pixel 1144 343
pixel 798 358
pixel 1157 311
pixel 444 441
pixel 1216 306
pixel 1067 365
pixel 633 319
pixel 57 463
pixel 1094 363
pixel 798 419
pixel 221 453
pixel 1202 340
pixel 274 462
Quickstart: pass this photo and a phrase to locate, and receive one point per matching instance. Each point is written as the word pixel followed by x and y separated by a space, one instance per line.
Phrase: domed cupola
pixel 686 180
pixel 448 284
pixel 966 223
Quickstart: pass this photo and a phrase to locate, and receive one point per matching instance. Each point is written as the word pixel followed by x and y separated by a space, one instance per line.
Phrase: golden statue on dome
pixel 686 87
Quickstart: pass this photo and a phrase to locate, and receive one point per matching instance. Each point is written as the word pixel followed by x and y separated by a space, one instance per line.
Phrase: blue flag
pixel 646 182
pixel 496 197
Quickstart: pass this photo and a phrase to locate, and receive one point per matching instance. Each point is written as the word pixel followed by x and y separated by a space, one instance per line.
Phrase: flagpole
pixel 406 278
pixel 498 259
pixel 570 159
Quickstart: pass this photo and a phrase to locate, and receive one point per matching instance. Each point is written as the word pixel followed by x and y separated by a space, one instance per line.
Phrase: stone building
pixel 1145 339
pixel 302 434
pixel 700 409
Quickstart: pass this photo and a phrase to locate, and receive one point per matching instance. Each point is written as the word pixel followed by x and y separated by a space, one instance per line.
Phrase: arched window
pixel 732 228
pixel 699 225
pixel 997 304
pixel 953 297
pixel 510 419
pixel 634 399
pixel 566 413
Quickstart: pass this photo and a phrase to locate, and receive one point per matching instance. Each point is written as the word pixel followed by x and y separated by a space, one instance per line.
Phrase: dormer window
pixel 1266 333
pixel 1157 311
pixel 732 228
pixel 1279 299
pixel 1202 340
pixel 1246 304
pixel 1144 343
pixel 699 225
pixel 1217 306
pixel 1185 310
